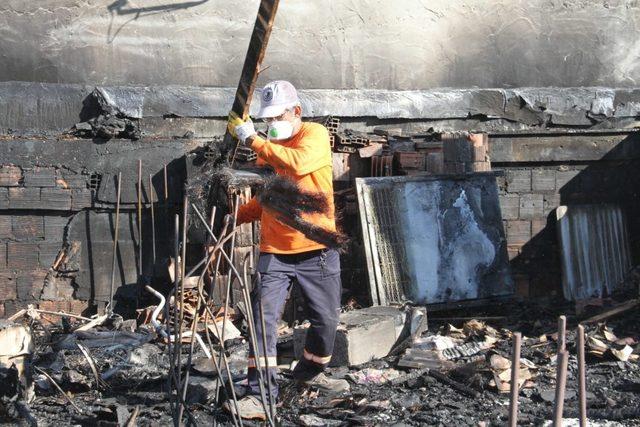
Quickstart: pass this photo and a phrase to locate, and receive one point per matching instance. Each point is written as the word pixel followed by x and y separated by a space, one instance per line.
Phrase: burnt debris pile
pixel 69 369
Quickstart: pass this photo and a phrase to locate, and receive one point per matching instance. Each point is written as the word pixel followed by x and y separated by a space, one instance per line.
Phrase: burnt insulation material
pixel 287 202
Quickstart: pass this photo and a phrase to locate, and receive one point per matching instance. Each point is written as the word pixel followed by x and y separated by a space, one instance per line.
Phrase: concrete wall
pixel 412 44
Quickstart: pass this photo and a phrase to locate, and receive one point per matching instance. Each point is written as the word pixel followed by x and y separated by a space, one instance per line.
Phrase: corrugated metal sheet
pixel 594 249
pixel 433 239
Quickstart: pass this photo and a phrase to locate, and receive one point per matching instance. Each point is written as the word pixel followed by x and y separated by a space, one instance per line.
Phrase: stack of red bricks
pixel 466 153
pixel 35 206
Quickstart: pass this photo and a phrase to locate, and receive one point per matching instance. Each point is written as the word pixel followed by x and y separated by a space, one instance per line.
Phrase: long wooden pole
pixel 251 67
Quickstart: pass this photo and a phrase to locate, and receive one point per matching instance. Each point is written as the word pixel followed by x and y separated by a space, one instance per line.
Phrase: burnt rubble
pixel 116 371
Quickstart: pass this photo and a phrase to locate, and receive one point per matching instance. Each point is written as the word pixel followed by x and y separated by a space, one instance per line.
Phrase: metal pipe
pixel 174 349
pixel 225 361
pixel 162 332
pixel 247 298
pixel 232 255
pixel 561 383
pixel 153 220
pixel 183 263
pixel 582 382
pixel 115 244
pixel 266 361
pixel 140 218
pixel 219 371
pixel 562 333
pixel 515 373
pixel 254 342
pixel 154 316
pixel 166 186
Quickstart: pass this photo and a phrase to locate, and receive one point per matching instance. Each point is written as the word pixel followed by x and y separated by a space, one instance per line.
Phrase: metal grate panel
pixel 390 245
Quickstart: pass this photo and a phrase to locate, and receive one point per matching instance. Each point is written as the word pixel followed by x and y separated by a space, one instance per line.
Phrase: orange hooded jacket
pixel 306 159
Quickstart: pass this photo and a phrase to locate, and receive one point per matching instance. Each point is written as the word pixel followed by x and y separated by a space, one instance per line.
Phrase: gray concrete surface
pixel 171 111
pixel 352 44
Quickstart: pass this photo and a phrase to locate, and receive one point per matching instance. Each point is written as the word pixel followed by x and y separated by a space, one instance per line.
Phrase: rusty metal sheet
pixel 595 252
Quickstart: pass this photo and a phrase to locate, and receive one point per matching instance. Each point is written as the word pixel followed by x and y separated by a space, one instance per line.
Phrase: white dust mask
pixel 280 129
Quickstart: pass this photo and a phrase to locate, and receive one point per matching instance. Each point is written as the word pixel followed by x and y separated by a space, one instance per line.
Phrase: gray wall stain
pixel 373 44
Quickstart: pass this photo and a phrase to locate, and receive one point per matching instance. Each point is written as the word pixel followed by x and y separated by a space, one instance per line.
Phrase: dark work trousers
pixel 318 275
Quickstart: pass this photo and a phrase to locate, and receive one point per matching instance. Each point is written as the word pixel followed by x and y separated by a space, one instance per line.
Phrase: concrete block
pixel 40 177
pixel 48 252
pixel 564 177
pixel 518 181
pixel 543 180
pixel 24 198
pixel 7 287
pixel 3 256
pixel 27 227
pixel 22 256
pixel 537 225
pixel 201 390
pixel 57 289
pixel 54 226
pixel 457 149
pixel 518 232
pixel 56 199
pixel 4 198
pixel 435 163
pixel 523 285
pixel 550 202
pixel 362 335
pixel 73 180
pixel 10 176
pixel 81 198
pixel 513 251
pixel 531 206
pixel 6 231
pixel 340 166
pixel 509 206
pixel 29 285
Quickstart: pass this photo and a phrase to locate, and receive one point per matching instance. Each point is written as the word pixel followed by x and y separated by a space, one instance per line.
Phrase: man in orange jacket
pixel 302 152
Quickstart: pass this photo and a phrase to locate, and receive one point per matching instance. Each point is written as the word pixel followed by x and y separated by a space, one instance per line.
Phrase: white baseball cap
pixel 276 97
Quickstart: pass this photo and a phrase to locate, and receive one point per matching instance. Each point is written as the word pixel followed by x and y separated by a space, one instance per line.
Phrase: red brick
pixel 54 306
pixel 78 307
pixel 10 176
pixel 8 289
pixel 22 256
pixel 27 227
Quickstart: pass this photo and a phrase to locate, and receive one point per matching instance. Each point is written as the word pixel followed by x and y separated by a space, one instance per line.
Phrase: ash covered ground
pixel 132 368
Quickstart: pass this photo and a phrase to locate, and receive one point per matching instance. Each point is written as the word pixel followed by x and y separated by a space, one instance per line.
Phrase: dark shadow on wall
pixel 614 179
pixel 120 7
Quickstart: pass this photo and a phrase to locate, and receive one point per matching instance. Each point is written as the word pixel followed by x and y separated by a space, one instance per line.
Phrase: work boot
pixel 326 384
pixel 250 408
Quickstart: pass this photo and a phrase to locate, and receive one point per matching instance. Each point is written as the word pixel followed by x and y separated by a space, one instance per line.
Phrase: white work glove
pixel 242 129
